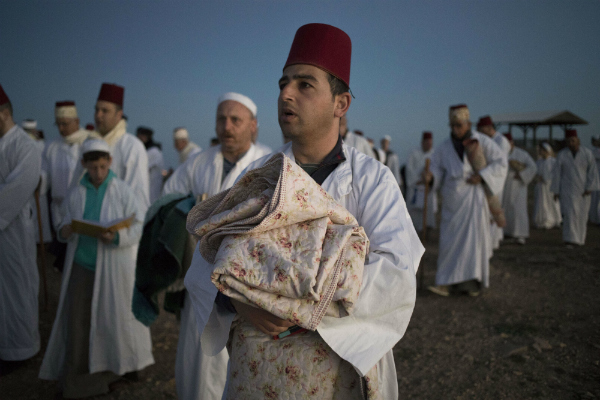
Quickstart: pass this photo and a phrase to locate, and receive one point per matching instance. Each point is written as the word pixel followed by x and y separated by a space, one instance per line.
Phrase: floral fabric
pixel 280 242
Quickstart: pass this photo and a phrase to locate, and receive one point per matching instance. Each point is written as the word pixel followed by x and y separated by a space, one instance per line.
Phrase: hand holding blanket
pixel 280 242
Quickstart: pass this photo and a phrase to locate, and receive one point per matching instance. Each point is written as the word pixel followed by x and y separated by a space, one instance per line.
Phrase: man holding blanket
pixel 314 95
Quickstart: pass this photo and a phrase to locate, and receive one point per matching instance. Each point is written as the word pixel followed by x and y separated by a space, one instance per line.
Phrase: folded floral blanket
pixel 478 162
pixel 280 242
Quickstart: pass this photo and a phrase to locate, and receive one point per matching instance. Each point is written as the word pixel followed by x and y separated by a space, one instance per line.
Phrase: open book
pixel 95 228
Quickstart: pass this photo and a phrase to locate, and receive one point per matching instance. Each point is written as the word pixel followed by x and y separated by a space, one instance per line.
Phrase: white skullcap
pixel 240 98
pixel 65 109
pixel 94 145
pixel 547 147
pixel 29 124
pixel 388 138
pixel 181 133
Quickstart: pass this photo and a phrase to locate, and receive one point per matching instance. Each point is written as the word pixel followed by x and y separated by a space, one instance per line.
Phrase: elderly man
pixel 62 156
pixel 156 162
pixel 521 171
pixel 351 139
pixel 416 187
pixel 20 166
pixel 181 142
pixel 575 177
pixel 313 97
pixel 465 243
pixel 486 126
pixel 391 159
pixel 200 376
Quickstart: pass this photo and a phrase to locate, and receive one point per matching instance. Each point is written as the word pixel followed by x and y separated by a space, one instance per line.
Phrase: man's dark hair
pixel 7 106
pixel 95 156
pixel 336 85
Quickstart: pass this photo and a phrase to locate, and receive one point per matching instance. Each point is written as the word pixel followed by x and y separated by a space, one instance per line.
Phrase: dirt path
pixel 534 334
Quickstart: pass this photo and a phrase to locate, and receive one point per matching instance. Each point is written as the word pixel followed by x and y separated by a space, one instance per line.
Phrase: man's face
pixel 487 130
pixel 305 105
pixel 426 144
pixel 67 126
pixel 180 144
pixel 107 116
pixel 98 170
pixel 235 127
pixel 460 128
pixel 573 143
pixel 385 144
pixel 142 137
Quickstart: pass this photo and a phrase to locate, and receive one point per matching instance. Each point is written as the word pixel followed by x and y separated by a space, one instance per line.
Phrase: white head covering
pixel 181 133
pixel 94 145
pixel 388 138
pixel 29 124
pixel 65 109
pixel 240 98
pixel 547 147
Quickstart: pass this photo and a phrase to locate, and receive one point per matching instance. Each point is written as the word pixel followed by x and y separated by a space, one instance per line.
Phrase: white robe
pixel 189 150
pixel 369 191
pixel 44 210
pixel 359 143
pixel 156 165
pixel 197 375
pixel 572 176
pixel 60 162
pixel 118 341
pixel 595 201
pixel 262 149
pixel 546 210
pixel 465 242
pixel 514 199
pixel 415 192
pixel 20 166
pixel 496 232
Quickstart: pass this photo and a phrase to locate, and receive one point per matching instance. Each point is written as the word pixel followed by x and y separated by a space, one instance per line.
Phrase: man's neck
pixel 234 157
pixel 314 152
pixel 7 127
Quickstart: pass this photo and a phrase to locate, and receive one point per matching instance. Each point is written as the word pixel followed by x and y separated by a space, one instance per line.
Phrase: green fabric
pixel 308 168
pixel 160 256
pixel 87 246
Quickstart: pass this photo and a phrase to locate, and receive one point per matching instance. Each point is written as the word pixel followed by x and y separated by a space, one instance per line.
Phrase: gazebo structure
pixel 533 120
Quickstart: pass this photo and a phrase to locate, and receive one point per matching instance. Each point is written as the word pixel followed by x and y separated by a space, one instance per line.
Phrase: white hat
pixel 388 138
pixel 94 145
pixel 29 124
pixel 180 133
pixel 547 147
pixel 240 98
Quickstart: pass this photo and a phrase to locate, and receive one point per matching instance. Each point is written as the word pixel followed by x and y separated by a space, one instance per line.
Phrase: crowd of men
pixel 103 174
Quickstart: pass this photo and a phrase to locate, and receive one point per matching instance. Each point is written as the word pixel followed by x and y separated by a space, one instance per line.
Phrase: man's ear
pixel 120 113
pixel 342 103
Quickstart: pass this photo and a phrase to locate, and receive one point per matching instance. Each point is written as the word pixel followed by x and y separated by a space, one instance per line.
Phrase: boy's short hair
pixel 95 156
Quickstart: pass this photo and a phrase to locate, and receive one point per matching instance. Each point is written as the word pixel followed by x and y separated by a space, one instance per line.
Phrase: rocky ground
pixel 535 333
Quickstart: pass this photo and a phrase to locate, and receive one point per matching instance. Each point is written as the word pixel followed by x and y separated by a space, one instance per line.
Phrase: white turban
pixel 240 98
pixel 29 124
pixel 94 145
pixel 181 133
pixel 65 111
pixel 388 138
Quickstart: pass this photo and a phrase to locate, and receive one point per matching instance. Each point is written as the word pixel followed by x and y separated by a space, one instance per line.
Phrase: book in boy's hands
pixel 96 228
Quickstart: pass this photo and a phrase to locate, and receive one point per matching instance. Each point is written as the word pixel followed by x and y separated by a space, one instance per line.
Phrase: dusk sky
pixel 411 60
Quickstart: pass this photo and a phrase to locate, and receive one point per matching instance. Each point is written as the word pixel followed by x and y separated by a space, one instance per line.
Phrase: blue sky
pixel 411 60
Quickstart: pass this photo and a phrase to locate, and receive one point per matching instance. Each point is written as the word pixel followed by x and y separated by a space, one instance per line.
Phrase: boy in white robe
pixel 156 162
pixel 521 171
pixel 20 166
pixel 95 337
pixel 575 178
pixel 415 187
pixel 546 210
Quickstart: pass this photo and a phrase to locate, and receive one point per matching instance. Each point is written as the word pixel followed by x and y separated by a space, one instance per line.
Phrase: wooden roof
pixel 539 118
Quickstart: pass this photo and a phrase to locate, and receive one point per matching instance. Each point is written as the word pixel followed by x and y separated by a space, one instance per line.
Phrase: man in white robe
pixel 546 210
pixel 198 375
pixel 20 166
pixel 130 161
pixel 392 161
pixel 353 140
pixel 62 156
pixel 185 148
pixel 595 203
pixel 486 126
pixel 156 163
pixel 309 109
pixel 465 242
pixel 575 178
pixel 521 171
pixel 416 188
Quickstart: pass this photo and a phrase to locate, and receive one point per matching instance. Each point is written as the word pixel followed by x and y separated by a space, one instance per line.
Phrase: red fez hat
pixel 427 135
pixel 89 127
pixel 323 46
pixel 65 104
pixel 508 135
pixel 3 97
pixel 456 107
pixel 483 121
pixel 112 93
pixel 570 133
